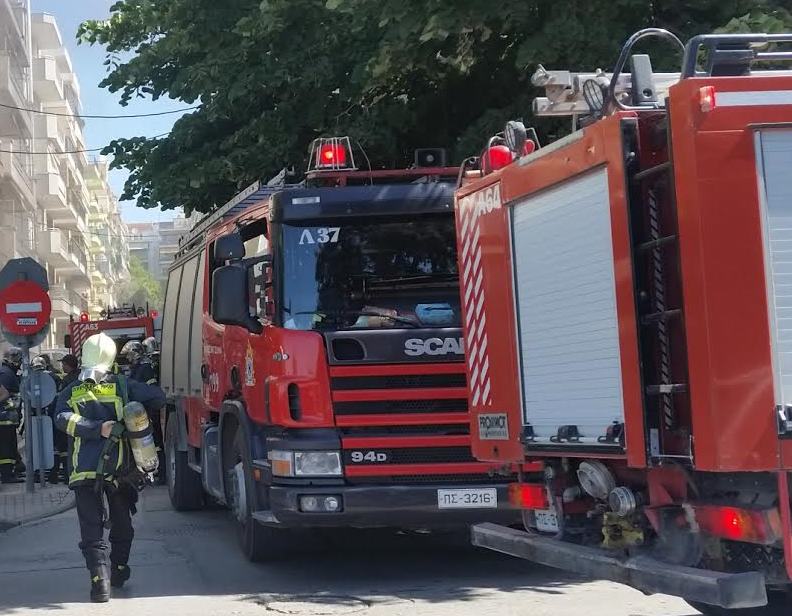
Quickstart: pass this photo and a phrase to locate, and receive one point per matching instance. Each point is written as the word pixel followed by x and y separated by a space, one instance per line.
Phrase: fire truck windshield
pixel 355 274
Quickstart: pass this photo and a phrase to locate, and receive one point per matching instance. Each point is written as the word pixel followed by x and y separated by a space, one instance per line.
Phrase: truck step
pixel 660 242
pixel 666 388
pixel 657 317
pixel 727 590
pixel 652 171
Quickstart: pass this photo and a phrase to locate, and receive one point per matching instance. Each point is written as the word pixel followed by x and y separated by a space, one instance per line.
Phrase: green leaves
pixel 271 75
pixel 142 287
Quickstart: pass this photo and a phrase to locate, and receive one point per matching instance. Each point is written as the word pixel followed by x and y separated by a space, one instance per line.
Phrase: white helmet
pixel 98 354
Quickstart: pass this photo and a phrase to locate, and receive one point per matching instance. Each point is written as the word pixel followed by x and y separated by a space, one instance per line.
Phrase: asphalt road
pixel 189 564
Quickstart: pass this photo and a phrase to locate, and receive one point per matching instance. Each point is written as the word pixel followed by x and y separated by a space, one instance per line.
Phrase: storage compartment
pixel 565 295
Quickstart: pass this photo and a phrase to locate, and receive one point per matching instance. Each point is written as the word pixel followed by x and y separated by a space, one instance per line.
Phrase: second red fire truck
pixel 627 293
pixel 313 358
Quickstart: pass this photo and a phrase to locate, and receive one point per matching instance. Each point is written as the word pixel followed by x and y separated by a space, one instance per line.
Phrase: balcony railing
pixel 61 292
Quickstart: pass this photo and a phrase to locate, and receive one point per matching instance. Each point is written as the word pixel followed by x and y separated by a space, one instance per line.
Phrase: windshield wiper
pixel 357 313
pixel 408 282
pixel 394 318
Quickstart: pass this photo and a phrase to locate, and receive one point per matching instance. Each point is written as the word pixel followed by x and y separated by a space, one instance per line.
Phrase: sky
pixel 88 64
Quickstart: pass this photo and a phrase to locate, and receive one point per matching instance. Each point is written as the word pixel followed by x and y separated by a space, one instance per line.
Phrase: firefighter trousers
pixel 9 454
pixel 90 513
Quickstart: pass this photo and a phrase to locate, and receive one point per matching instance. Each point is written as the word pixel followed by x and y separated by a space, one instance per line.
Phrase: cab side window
pixel 258 257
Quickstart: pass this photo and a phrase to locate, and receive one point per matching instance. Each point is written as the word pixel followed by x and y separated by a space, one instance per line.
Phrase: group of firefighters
pixel 92 445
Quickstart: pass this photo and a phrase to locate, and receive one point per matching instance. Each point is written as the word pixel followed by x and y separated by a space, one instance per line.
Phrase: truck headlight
pixel 317 464
pixel 305 463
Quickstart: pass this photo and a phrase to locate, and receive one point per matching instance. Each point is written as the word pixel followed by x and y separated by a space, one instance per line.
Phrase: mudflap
pixel 726 590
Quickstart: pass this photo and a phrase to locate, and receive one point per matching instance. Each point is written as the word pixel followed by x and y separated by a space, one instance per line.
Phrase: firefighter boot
pixel 96 560
pixel 119 574
pixel 100 584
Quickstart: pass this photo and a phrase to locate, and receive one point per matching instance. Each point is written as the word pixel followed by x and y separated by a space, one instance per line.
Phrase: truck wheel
pixel 259 543
pixel 184 484
pixel 778 603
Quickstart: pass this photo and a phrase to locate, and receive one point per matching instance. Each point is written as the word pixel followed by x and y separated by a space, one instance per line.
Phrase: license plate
pixel 546 521
pixel 467 498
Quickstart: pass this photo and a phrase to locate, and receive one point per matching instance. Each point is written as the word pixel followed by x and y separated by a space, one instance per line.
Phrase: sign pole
pixel 25 309
pixel 26 406
pixel 35 380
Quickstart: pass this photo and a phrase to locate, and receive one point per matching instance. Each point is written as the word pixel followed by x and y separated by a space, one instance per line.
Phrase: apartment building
pixel 18 212
pixel 155 244
pixel 108 246
pixel 55 206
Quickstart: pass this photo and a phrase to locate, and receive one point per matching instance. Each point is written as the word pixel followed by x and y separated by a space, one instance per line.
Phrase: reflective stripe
pixel 7 461
pixel 7 423
pixel 151 382
pixel 71 427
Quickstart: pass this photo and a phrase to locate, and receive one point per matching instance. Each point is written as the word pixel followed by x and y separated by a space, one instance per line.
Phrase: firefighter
pixel 9 414
pixel 151 349
pixel 90 412
pixel 141 368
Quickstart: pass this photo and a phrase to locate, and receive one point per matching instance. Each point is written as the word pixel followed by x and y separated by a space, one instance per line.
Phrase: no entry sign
pixel 24 308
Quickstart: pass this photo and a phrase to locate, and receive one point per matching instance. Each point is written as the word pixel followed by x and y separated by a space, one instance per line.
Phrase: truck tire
pixel 779 603
pixel 259 543
pixel 184 484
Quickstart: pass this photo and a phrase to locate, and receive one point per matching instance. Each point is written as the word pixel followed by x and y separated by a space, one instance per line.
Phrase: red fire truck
pixel 122 324
pixel 627 316
pixel 313 358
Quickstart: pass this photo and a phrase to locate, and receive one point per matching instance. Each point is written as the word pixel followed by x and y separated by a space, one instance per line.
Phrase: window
pixel 358 274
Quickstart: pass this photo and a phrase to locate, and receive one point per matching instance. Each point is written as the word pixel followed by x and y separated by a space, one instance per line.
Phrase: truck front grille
pixel 395 407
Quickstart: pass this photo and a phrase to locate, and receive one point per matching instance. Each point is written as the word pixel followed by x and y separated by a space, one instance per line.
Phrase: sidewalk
pixel 18 507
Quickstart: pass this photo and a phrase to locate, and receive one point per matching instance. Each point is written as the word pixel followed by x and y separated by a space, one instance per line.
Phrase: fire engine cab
pixel 627 299
pixel 313 357
pixel 121 323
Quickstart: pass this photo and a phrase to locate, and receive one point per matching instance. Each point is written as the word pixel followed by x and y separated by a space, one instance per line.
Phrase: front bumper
pixel 727 590
pixel 382 506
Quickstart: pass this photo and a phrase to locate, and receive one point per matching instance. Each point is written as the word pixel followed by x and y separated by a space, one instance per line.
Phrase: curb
pixel 36 517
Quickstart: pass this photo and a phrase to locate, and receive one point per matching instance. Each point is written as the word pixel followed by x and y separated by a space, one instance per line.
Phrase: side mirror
pixel 67 341
pixel 228 248
pixel 230 298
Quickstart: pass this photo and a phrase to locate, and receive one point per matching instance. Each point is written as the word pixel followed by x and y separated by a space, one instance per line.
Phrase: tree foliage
pixel 142 288
pixel 271 75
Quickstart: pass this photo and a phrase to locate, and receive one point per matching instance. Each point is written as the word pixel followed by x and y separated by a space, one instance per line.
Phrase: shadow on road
pixel 196 554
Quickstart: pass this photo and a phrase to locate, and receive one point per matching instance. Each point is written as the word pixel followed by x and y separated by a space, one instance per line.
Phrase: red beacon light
pixel 84 317
pixel 496 157
pixel 331 154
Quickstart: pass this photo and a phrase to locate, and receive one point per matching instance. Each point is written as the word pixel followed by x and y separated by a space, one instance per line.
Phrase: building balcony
pixel 46 32
pixel 47 131
pixel 47 83
pixel 65 253
pixel 51 193
pixel 14 92
pixel 66 302
pixel 16 168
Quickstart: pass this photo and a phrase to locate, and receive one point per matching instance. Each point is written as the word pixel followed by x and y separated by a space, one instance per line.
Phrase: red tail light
pixel 154 314
pixel 528 496
pixel 762 526
pixel 707 98
pixel 332 155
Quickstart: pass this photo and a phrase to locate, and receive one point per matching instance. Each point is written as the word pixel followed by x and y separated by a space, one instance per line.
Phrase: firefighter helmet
pixel 151 346
pixel 98 354
pixel 132 351
pixel 12 357
pixel 39 363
